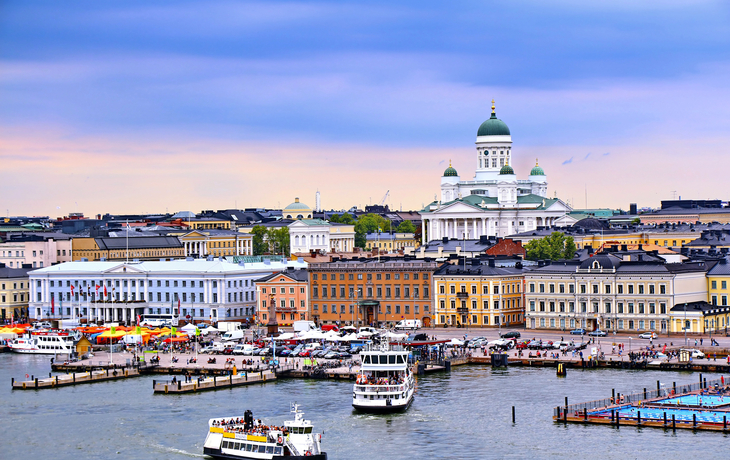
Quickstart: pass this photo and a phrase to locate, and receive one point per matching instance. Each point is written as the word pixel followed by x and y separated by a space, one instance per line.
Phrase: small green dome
pixel 506 169
pixel 537 170
pixel 297 206
pixel 450 172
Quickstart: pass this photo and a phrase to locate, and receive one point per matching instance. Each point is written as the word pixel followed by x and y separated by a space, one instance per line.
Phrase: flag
pixel 53 305
pixel 138 330
pixel 197 331
pixel 97 289
pixel 105 294
pixel 113 330
pixel 72 290
pixel 139 319
pixel 174 331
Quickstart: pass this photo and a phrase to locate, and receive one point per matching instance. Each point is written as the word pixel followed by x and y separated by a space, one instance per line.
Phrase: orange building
pixel 288 290
pixel 371 292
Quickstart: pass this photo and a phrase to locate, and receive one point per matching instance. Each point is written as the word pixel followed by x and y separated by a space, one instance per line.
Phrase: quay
pixel 701 406
pixel 212 383
pixel 75 378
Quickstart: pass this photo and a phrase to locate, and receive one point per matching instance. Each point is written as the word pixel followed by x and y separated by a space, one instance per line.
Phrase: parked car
pixel 510 335
pixel 421 337
pixel 579 331
pixel 500 344
pixel 535 345
pixel 696 354
pixel 597 333
pixel 648 335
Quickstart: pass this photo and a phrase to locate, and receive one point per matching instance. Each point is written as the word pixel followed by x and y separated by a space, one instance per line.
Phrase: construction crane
pixel 387 194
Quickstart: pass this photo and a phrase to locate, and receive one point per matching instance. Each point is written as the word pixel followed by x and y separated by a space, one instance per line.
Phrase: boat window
pixel 255 448
pixel 400 359
pixel 391 359
pixel 225 444
pixel 269 449
pixel 366 360
pixel 279 451
pixel 242 446
pixel 308 429
pixel 248 447
pixel 383 359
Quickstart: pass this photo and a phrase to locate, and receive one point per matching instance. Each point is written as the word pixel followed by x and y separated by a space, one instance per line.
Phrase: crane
pixel 382 202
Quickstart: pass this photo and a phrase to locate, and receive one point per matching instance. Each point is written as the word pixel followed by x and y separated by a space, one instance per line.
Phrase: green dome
pixel 537 171
pixel 297 206
pixel 506 169
pixel 493 127
pixel 450 172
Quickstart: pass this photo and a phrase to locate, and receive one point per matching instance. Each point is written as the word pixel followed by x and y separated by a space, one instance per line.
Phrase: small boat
pixel 385 382
pixel 244 437
pixel 46 343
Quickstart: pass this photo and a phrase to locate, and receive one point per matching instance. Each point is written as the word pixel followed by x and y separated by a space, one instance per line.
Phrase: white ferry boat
pixel 47 343
pixel 385 382
pixel 243 437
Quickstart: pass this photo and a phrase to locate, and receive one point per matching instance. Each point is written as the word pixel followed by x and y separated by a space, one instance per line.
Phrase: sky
pixel 149 106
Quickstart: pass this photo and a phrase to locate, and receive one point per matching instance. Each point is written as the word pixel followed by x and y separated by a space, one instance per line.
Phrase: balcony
pixel 462 295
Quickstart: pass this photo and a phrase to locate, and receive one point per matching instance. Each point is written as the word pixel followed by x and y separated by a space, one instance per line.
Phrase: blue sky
pixel 141 95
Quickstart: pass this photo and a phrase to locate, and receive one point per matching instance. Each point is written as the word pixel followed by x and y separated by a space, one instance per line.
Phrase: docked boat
pixel 47 343
pixel 244 437
pixel 385 382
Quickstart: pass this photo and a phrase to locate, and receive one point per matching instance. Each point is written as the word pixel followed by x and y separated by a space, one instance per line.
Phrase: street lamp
pixel 629 344
pixel 685 324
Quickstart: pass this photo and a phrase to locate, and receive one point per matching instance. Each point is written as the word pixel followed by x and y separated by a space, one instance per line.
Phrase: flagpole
pixel 126 231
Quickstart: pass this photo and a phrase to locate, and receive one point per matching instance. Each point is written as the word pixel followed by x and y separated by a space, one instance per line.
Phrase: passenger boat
pixel 385 383
pixel 243 437
pixel 47 343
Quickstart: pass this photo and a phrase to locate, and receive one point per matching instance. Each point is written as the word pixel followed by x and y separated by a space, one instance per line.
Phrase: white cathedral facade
pixel 494 202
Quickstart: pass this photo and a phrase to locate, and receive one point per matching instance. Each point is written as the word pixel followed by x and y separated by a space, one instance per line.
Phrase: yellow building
pixel 390 242
pixel 700 318
pixel 121 248
pixel 14 293
pixel 218 243
pixel 478 295
pixel 209 223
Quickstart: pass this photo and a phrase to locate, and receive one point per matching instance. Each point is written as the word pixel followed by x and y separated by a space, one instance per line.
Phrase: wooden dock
pixel 75 378
pixel 212 383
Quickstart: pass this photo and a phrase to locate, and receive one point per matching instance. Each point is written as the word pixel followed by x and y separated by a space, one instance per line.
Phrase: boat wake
pixel 162 448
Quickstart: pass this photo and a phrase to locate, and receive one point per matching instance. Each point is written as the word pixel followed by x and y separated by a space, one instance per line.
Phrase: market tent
pixel 108 336
pixel 184 338
pixel 456 342
pixel 7 333
pixel 395 336
pixel 189 329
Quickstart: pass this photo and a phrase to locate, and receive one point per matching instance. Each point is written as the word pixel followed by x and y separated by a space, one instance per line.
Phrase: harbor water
pixel 464 414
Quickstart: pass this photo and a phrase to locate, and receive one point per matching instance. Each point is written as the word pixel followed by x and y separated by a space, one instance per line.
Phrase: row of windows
pixel 621 307
pixel 474 319
pixel 504 304
pixel 150 283
pixel 390 292
pixel 388 309
pixel 282 303
pixel 17 254
pixel 15 285
pixel 378 276
pixel 595 288
pixel 506 289
pixel 282 290
pixel 723 284
pixel 16 298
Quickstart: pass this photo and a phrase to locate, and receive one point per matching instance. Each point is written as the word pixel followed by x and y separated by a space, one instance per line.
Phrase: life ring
pixel 308 453
pixel 279 440
pixel 27 376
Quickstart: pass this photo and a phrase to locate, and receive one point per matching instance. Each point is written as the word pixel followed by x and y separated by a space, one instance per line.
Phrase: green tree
pixel 345 218
pixel 406 227
pixel 369 223
pixel 554 247
pixel 278 240
pixel 259 240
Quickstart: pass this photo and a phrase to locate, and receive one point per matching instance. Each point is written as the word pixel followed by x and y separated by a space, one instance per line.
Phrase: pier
pixel 74 378
pixel 700 406
pixel 215 382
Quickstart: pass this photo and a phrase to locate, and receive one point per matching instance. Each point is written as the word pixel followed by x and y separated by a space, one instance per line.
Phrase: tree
pixel 406 227
pixel 369 223
pixel 554 247
pixel 259 240
pixel 345 218
pixel 278 240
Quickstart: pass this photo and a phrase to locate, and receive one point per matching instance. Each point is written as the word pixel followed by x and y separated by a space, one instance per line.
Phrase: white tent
pixel 189 329
pixel 395 336
pixel 456 342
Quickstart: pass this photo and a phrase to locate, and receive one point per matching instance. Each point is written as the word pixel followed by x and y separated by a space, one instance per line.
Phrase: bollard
pixel 154 383
pixel 214 381
pixel 700 380
pixel 644 393
pixel 674 388
pixel 565 414
pixel 585 414
pixel 705 384
pixel 566 401
pixel 658 387
pixel 36 383
pixel 513 414
pixel 56 380
pixel 674 423
pixel 724 422
pixel 665 419
pixel 694 420
pixel 74 377
pixel 613 395
pixel 12 382
pixel 638 418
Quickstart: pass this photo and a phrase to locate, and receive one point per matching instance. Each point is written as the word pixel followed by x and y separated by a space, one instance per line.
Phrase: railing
pixel 625 399
pixel 380 388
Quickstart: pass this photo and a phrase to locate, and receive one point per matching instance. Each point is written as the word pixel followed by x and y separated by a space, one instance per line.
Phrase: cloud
pixel 568 161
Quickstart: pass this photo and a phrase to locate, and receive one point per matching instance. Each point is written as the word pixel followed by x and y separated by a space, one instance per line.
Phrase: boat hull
pixel 384 409
pixel 216 453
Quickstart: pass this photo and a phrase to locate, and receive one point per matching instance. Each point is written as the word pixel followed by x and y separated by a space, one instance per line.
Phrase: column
pixel 423 230
pixel 475 234
pixel 484 227
pixel 466 234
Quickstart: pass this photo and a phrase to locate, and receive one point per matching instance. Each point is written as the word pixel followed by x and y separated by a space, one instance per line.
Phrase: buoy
pixel 279 440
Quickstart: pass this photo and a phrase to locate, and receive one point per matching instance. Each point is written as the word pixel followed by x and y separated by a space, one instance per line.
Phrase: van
pixel 243 349
pixel 232 335
pixel 411 324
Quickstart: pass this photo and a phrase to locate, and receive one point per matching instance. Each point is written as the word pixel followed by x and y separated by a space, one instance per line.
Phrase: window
pixel 582 288
pixel 552 288
pixel 561 289
pixel 724 284
pixel 572 288
pixel 608 289
pixel 595 289
pixel 532 287
pixel 620 288
pixel 651 289
pixel 631 288
pixel 641 289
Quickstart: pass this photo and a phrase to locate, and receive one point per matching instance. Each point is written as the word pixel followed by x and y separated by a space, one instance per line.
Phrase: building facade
pixel 371 292
pixel 123 248
pixel 216 243
pixel 478 294
pixel 611 293
pixel 14 293
pixel 185 290
pixel 391 241
pixel 288 291
pixel 36 250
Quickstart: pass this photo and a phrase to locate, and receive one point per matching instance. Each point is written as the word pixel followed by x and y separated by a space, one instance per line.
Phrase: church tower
pixel 494 148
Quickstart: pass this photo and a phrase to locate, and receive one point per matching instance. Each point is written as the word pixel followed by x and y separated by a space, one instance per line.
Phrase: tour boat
pixel 243 437
pixel 385 382
pixel 47 343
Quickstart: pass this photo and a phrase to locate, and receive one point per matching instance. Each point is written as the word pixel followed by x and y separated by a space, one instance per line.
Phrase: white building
pixel 495 202
pixel 205 290
pixel 38 250
pixel 307 234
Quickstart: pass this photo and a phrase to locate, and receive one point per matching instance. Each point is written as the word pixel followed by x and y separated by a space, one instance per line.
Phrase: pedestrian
pixel 700 341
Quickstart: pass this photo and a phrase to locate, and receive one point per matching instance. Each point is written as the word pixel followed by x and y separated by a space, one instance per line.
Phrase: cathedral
pixel 494 202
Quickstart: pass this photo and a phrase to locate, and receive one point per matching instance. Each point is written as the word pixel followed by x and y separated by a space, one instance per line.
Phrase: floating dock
pixel 198 384
pixel 75 378
pixel 701 406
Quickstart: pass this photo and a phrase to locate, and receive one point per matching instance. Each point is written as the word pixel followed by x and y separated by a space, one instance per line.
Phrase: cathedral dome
pixel 297 210
pixel 493 126
pixel 450 171
pixel 537 170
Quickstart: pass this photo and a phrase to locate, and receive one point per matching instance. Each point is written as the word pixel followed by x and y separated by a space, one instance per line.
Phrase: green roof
pixel 537 171
pixel 297 206
pixel 506 169
pixel 493 127
pixel 314 222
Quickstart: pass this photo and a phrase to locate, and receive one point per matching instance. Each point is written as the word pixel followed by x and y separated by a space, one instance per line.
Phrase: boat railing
pixel 380 388
pixel 291 447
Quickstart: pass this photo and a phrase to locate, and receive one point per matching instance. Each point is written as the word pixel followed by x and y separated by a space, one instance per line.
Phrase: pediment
pixel 458 207
pixel 124 268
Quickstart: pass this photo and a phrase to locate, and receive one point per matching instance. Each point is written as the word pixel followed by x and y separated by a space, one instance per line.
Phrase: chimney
pixel 491 263
pixel 445 239
pixel 624 247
